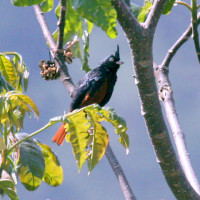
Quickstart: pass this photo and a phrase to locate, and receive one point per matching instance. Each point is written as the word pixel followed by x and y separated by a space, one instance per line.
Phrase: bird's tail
pixel 60 135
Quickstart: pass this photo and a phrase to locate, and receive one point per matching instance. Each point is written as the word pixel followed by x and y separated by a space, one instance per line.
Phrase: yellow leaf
pixel 78 136
pixel 2 144
pixel 53 173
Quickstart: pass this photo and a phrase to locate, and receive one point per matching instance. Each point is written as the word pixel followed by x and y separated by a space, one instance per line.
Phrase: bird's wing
pixel 92 89
pixel 96 93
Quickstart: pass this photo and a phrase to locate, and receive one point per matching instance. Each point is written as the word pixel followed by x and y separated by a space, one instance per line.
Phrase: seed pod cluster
pixel 49 70
pixel 68 53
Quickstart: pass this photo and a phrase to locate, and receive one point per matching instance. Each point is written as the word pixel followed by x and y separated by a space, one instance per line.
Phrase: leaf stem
pixel 30 136
pixel 184 4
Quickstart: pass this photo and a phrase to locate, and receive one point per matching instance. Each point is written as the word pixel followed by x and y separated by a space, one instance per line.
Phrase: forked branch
pixel 175 47
pixel 166 96
pixel 128 194
pixel 151 109
pixel 65 77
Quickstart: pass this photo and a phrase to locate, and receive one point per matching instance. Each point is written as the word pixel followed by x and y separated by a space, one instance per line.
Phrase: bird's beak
pixel 119 62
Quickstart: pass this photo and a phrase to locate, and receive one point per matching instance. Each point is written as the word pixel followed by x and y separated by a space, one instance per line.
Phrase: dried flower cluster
pixel 49 70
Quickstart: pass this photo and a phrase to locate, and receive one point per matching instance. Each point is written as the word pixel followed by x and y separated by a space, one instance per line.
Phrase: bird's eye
pixel 111 59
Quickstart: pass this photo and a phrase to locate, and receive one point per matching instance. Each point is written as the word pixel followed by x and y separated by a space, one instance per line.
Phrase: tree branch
pixel 71 88
pixel 65 77
pixel 152 113
pixel 131 26
pixel 128 194
pixel 151 110
pixel 154 15
pixel 172 51
pixel 166 96
pixel 61 23
pixel 182 39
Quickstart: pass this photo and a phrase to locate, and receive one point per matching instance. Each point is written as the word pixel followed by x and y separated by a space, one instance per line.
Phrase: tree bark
pixel 140 42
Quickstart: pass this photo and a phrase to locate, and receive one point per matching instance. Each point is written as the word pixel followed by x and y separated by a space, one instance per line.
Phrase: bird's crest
pixel 117 53
pixel 114 57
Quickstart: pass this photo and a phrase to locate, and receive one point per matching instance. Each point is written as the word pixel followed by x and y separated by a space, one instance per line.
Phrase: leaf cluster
pixel 36 163
pixel 79 21
pixel 89 137
pixel 14 104
pixel 32 161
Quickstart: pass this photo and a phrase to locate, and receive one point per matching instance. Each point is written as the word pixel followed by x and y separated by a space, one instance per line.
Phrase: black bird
pixel 95 87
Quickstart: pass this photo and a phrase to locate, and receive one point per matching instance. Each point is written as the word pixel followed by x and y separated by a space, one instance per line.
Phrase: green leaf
pixel 145 10
pixel 8 70
pixel 3 84
pixel 73 23
pixel 8 187
pixel 87 27
pixel 76 50
pixel 13 107
pixel 99 12
pixel 16 118
pixel 88 137
pixel 23 3
pixel 98 139
pixel 119 124
pixel 2 144
pixel 31 164
pixel 4 108
pixel 14 71
pixel 53 174
pixel 168 7
pixel 47 6
pixel 76 26
pixel 135 9
pixel 23 101
pixel 73 27
pixel 77 127
pixel 22 71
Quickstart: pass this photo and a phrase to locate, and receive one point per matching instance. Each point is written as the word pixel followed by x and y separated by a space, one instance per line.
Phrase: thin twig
pixel 195 28
pixel 182 39
pixel 71 88
pixel 128 194
pixel 65 77
pixel 61 24
pixel 184 4
pixel 172 51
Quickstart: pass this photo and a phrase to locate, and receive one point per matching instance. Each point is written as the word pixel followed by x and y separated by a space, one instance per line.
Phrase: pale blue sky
pixel 19 31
